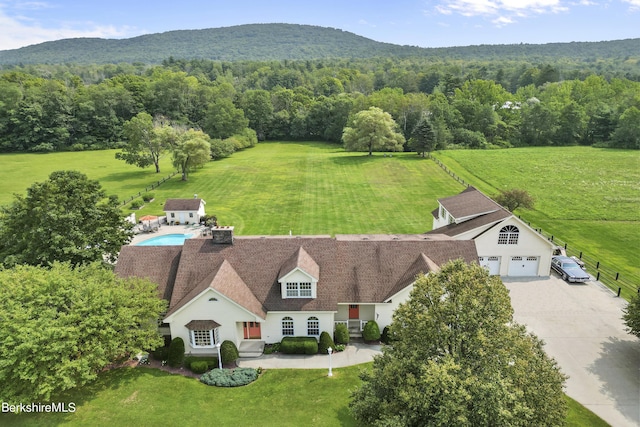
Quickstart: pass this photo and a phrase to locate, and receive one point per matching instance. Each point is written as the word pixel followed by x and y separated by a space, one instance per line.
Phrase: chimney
pixel 222 235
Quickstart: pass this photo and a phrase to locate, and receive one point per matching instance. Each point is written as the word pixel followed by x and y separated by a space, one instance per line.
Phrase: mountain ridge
pixel 286 42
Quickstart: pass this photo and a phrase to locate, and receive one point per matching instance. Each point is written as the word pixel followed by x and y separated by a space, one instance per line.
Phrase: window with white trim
pixel 313 326
pixel 508 235
pixel 201 338
pixel 287 326
pixel 299 290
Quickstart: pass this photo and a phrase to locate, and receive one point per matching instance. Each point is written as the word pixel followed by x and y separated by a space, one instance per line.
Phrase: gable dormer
pixel 462 207
pixel 299 276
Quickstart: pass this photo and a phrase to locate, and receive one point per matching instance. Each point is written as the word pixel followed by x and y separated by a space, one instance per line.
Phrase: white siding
pixel 530 244
pixel 223 311
pixel 272 328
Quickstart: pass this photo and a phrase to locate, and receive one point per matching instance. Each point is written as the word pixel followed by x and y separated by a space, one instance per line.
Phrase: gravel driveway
pixel 582 327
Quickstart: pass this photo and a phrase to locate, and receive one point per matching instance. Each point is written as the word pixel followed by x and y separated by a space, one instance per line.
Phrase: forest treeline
pixel 263 42
pixel 470 104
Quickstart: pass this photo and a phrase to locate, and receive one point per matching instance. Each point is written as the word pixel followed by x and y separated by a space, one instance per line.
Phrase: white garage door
pixel 491 263
pixel 523 266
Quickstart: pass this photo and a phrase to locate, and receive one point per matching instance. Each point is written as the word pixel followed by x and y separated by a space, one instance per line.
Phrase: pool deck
pixel 168 229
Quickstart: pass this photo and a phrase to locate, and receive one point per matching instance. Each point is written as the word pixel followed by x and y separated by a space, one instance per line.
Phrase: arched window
pixel 287 326
pixel 313 326
pixel 508 235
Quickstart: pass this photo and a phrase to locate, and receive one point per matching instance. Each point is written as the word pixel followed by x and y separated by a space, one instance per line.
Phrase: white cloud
pixel 502 12
pixel 18 30
pixel 634 4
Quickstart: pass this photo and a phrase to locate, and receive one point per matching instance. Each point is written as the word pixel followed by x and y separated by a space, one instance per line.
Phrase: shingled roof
pixel 350 269
pixel 182 205
pixel 469 202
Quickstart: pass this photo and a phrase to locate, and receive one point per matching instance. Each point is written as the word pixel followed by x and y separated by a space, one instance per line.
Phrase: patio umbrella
pixel 148 218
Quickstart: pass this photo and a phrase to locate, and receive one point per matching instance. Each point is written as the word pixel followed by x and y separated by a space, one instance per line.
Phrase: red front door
pixel 354 311
pixel 252 330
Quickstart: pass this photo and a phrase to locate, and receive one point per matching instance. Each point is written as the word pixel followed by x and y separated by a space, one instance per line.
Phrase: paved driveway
pixel 582 327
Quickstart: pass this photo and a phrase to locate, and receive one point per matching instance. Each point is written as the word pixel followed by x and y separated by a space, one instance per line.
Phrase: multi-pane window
pixel 299 290
pixel 508 235
pixel 287 326
pixel 443 212
pixel 201 338
pixel 313 326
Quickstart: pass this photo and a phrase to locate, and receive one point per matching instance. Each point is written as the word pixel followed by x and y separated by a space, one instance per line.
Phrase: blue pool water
pixel 166 240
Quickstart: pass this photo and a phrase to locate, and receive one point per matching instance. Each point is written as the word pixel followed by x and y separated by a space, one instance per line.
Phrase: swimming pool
pixel 166 240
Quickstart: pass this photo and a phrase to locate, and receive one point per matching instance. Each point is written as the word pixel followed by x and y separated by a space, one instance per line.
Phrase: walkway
pixel 355 354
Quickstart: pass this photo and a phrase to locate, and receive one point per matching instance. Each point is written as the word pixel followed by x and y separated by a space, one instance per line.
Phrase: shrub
pixel 228 352
pixel 136 204
pixel 199 366
pixel 211 361
pixel 230 377
pixel 325 342
pixel 161 353
pixel 341 334
pixel 272 348
pixel 176 352
pixel 385 337
pixel 148 197
pixel 371 331
pixel 299 345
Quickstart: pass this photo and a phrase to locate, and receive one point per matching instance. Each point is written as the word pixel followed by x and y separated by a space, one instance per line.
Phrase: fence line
pixel 149 188
pixel 604 273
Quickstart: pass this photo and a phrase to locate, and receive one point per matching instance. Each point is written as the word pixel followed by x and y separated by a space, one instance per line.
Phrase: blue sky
pixel 425 23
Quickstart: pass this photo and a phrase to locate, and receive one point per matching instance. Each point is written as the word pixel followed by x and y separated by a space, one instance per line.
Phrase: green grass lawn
pixel 19 171
pixel 588 197
pixel 280 397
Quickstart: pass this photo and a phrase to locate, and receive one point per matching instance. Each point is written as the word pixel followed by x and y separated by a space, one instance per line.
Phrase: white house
pixel 506 245
pixel 184 211
pixel 263 288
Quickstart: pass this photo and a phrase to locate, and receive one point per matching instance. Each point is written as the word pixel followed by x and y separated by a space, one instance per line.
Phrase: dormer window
pixel 299 276
pixel 299 290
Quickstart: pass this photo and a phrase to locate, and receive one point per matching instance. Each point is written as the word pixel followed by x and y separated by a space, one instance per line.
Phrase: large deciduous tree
pixel 515 198
pixel 457 358
pixel 61 326
pixel 65 218
pixel 144 146
pixel 370 130
pixel 192 149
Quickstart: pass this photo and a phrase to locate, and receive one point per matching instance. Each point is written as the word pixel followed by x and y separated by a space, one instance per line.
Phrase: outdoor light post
pixel 330 350
pixel 219 357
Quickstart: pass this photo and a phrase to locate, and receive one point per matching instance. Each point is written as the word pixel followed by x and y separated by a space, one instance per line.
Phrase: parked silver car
pixel 569 269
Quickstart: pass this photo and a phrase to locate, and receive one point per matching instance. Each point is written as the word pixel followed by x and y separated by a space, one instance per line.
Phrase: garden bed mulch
pixel 179 371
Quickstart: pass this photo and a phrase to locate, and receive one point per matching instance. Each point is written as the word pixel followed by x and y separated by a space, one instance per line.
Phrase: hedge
pixel 228 352
pixel 299 345
pixel 199 366
pixel 211 361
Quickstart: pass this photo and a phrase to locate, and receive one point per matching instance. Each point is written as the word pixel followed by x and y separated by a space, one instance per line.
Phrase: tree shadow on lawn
pixel 617 369
pixel 134 177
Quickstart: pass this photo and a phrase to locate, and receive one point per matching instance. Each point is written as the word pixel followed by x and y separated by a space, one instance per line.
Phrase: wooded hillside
pixel 292 42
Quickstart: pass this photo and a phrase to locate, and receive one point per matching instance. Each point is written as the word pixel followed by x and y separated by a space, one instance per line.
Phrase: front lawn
pixel 280 397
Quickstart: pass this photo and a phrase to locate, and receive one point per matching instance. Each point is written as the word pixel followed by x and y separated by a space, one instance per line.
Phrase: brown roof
pixel 471 224
pixel 468 203
pixel 202 325
pixel 351 268
pixel 302 260
pixel 157 263
pixel 182 205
